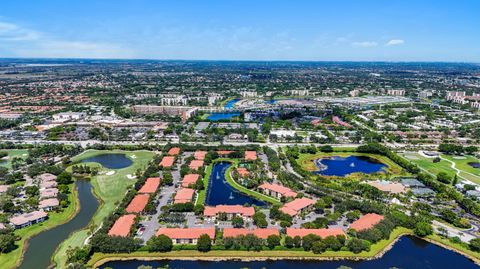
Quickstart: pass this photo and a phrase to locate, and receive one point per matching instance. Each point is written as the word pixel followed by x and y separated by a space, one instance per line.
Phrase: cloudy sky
pixel 366 30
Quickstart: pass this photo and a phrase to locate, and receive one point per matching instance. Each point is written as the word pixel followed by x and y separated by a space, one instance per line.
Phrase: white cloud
pixel 19 41
pixel 395 42
pixel 365 44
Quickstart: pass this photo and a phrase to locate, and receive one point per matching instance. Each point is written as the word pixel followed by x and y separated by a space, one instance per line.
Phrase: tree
pixel 64 178
pixel 308 241
pixel 423 229
pixel 333 243
pixel 273 241
pixel 444 178
pixel 237 222
pixel 289 243
pixel 356 245
pixel 7 242
pixel 474 244
pixel 204 243
pixel 326 148
pixel 319 247
pixel 259 219
pixel 161 243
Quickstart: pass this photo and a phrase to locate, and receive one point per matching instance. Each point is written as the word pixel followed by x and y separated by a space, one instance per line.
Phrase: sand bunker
pixel 109 173
pixel 130 176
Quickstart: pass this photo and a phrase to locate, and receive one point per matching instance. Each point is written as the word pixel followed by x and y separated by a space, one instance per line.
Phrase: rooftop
pixel 279 189
pixel 25 218
pixel 296 205
pixel 190 179
pixel 200 155
pixel 261 233
pixel 250 155
pixel 186 233
pixel 323 233
pixel 366 222
pixel 138 203
pixel 167 161
pixel 151 185
pixel 196 164
pixel 174 151
pixel 184 195
pixel 122 226
pixel 229 209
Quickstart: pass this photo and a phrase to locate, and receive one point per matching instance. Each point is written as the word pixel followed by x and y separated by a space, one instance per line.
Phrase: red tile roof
pixel 292 232
pixel 261 233
pixel 242 171
pixel 250 155
pixel 167 161
pixel 200 155
pixel 189 180
pixel 292 208
pixel 184 195
pixel 287 192
pixel 224 152
pixel 174 151
pixel 366 222
pixel 186 233
pixel 247 211
pixel 138 203
pixel 122 226
pixel 151 185
pixel 196 164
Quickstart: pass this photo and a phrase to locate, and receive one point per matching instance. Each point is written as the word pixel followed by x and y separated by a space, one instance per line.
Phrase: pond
pixel 407 253
pixel 230 104
pixel 110 160
pixel 42 246
pixel 222 116
pixel 474 164
pixel 219 192
pixel 342 166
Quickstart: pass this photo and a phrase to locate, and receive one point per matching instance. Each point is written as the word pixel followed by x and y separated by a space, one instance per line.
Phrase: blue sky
pixel 344 30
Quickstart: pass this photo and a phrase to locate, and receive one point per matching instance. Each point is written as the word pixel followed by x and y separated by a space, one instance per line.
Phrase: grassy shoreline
pixel 14 258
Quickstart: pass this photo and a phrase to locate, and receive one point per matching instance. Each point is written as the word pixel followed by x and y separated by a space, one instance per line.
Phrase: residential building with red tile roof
pixel 224 152
pixel 190 179
pixel 48 204
pixel 184 195
pixel 260 233
pixel 366 222
pixel 186 235
pixel 243 172
pixel 122 226
pixel 212 212
pixel 297 206
pixel 250 155
pixel 150 186
pixel 138 203
pixel 167 161
pixel 200 155
pixel 277 191
pixel 323 233
pixel 174 151
pixel 28 219
pixel 196 164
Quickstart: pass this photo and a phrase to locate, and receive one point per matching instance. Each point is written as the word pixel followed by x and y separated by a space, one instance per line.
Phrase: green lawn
pixel 428 164
pixel 110 190
pixel 100 258
pixel 12 153
pixel 203 193
pixel 466 171
pixel 11 259
pixel 306 161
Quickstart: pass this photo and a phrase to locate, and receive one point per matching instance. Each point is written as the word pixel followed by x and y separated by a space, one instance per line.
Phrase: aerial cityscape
pixel 215 142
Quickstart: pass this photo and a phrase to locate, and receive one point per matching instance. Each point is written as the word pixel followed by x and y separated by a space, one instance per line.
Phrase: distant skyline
pixel 304 30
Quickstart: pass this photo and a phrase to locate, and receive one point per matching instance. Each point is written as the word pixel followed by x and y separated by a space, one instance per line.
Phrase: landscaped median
pixel 376 251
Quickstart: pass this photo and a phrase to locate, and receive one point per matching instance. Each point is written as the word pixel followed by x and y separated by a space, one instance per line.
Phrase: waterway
pixel 42 246
pixel 222 116
pixel 231 104
pixel 220 192
pixel 342 166
pixel 407 253
pixel 110 160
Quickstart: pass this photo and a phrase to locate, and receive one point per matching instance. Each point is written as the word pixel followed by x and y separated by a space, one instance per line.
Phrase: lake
pixel 42 246
pixel 408 253
pixel 219 192
pixel 230 104
pixel 222 116
pixel 342 166
pixel 110 160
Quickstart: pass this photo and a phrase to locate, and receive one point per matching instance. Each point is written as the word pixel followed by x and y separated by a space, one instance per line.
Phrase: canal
pixel 407 253
pixel 42 246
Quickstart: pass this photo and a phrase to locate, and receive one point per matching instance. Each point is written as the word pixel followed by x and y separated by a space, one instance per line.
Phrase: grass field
pixel 306 161
pixel 100 258
pixel 12 153
pixel 466 171
pixel 108 189
pixel 11 259
pixel 203 193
